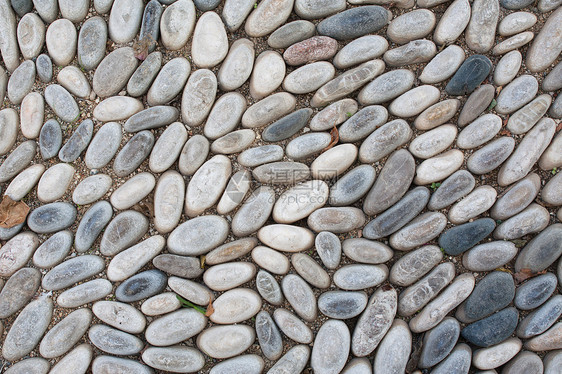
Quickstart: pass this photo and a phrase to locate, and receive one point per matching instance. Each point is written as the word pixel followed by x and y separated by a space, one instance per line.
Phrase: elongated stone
pixel 476 103
pixel 114 71
pixel 414 265
pixel 491 156
pixel 120 315
pixel 433 142
pixel 312 49
pixel 453 22
pixel 439 342
pixel 234 13
pixel 318 9
pixel 51 217
pixel 133 153
pixel 181 266
pixel 386 87
pixel 443 65
pixel 289 207
pixel 461 238
pixel 175 359
pixel 20 186
pixel 151 118
pixel 437 114
pixel 8 128
pixel 281 172
pixel 489 256
pixel 542 251
pixel 91 225
pixel 470 75
pixel 493 329
pixel 516 94
pixel 268 335
pixel 198 97
pixel 268 74
pixel 269 109
pixel 198 235
pixel 360 50
pixel 16 252
pixel 18 290
pixel 328 247
pixel 228 275
pixel 140 286
pixel 91 42
pixel 535 292
pixel 54 182
pixel 481 31
pixel 21 82
pixel 353 23
pixel 105 364
pixel 160 304
pixel 207 185
pixel 307 145
pixel 225 341
pixel 32 114
pixel 287 126
pixel 114 341
pixel 385 140
pixel 352 186
pixel 268 288
pixel 124 20
pixel 497 355
pixel 541 319
pixel 61 41
pixel 416 51
pixel 122 232
pixel 72 271
pixel 267 17
pixel 359 276
pixel 168 201
pixel 439 167
pixel 175 327
pixel 62 103
pixel 474 204
pixel 190 290
pixel 310 270
pixel 167 148
pixel 30 365
pixel 421 230
pixel 326 356
pixel 210 43
pixel 85 293
pixel 169 81
pixel 507 68
pixel 300 296
pixel 342 304
pixel 547 44
pixel 133 191
pixel 235 306
pixel 366 251
pixel 251 363
pixel 128 262
pixel 532 219
pixel 292 326
pixel 62 337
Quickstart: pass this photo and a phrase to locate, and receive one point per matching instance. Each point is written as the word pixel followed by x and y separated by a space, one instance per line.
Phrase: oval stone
pixel 342 304
pixel 293 361
pixel 251 364
pixel 18 290
pixel 433 142
pixel 20 186
pixel 128 262
pixel 104 145
pixel 260 155
pixel 358 277
pixel 460 238
pixel 225 276
pixel 72 271
pixel 235 306
pixel 258 206
pixel 421 230
pixel 181 266
pixel 237 66
pixel 85 293
pixel 309 77
pixel 443 65
pixel 292 326
pixel 414 265
pixel 176 25
pixel 198 235
pixel 491 156
pixel 160 304
pixel 267 17
pixel 140 286
pixel 61 41
pixel 474 204
pixel 489 256
pixel 437 114
pixel 535 291
pixel 168 201
pixel 386 87
pixel 16 252
pixel 542 251
pixel 286 238
pixel 210 44
pixel 414 101
pixel 207 185
pixel 117 108
pixel 34 365
pixel 270 340
pixel 133 191
pixel 175 359
pixel 62 103
pixel 384 140
pixel 507 68
pixel 534 218
pixel 360 50
pixel 497 355
pixel 516 22
pixel 92 40
pixel 107 364
pixel 169 81
pixel 175 327
pixel 355 22
pixel 439 167
pixel 416 51
pixel 51 217
pixel 91 189
pixel 439 342
pixel 114 71
pixel 310 270
pixel 62 337
pixel 114 341
pixel 300 296
pixel 470 75
pixel 268 288
pixel 493 329
pixel 267 75
pixel 124 20
pixel 120 315
pixel 198 97
pixel 328 247
pixel 134 152
pixel 270 260
pixel 547 45
pixel 122 232
pixel 54 182
pixel 516 94
pixel 366 251
pixel 326 356
pixel 226 341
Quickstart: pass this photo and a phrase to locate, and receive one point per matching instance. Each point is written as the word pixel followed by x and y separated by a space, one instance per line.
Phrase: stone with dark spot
pixel 355 22
pixel 472 72
pixel 493 329
pixel 287 126
pixel 461 238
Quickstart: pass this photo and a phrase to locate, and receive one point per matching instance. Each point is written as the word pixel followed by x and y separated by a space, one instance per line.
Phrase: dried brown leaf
pixel 210 309
pixel 525 274
pixel 335 138
pixel 12 213
pixel 559 127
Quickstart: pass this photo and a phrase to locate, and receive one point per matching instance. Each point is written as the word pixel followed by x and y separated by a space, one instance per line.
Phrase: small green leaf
pixel 554 171
pixel 255 5
pixel 349 114
pixel 442 250
pixel 492 104
pixel 435 186
pixel 187 304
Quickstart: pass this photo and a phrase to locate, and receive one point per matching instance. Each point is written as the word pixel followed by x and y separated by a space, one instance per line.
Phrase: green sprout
pixel 492 104
pixel 435 186
pixel 187 304
pixel 554 171
pixel 255 5
pixel 349 114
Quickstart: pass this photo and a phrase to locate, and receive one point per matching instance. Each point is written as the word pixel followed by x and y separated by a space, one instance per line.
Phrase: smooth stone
pixel 360 50
pixel 267 110
pixel 77 361
pixel 114 71
pixel 17 160
pixel 552 362
pixel 542 251
pixel 179 359
pixel 18 291
pixel 281 172
pixel 363 123
pixel 292 326
pixel 9 120
pixel 226 341
pixel 234 13
pixel 50 139
pixel 516 22
pixel 54 182
pixel 169 82
pixel 22 7
pixel 31 35
pixel 307 145
pixel 437 114
pixel 535 291
pixel 7 234
pixel 72 271
pixel 443 304
pixel 267 17
pixel 228 275
pixel 497 355
pixel 290 208
pixel 334 161
pixel 24 182
pixel 251 364
pixel 556 108
pixel 392 354
pixel 392 183
pixel 494 292
pixel 491 156
pixel 469 76
pixel 476 103
pixel 547 45
pixel 114 341
pixel 122 232
pixel 34 365
pixel 91 189
pixel 62 337
pixel 516 198
pixel 103 146
pixel 452 23
pixel 416 51
pixel 190 290
pixel 175 327
pixel 438 167
pixel 235 306
pixel 287 126
pixel 354 23
pixel 119 315
pixel 524 362
pixel 336 219
pixel 515 4
pixel 205 5
pixel 131 260
pixel 268 288
pixel 141 286
pixel 106 364
pixel 198 97
pixel 140 82
pixel 459 360
pixel 507 68
pixel 268 335
pixel 513 43
pixel 414 101
pixel 333 115
pixel 312 49
pixel 135 151
pixel 176 24
pixel 541 319
pixel 461 238
pixel 75 11
pixel 132 191
pixel 347 82
pixel 374 322
pixel 17 252
pixel 481 30
pixel 366 251
pixel 254 212
pixel 74 81
pixel 61 40
pixel 474 204
pixel 527 152
pixel 489 256
pixel 48 10
pixel 433 142
pixel 198 235
pixel 352 186
pixel 300 296
pixel 150 24
pixel 328 357
pixel 181 266
pixel 84 293
pixel 420 293
pixel 237 66
pixel 493 329
pixel 443 65
pixel 318 8
pixel 9 49
pixel 151 118
pixel 260 155
pixel 551 159
pixel 385 140
pixel 294 361
pixel 168 148
pixel 516 94
pixel 410 26
pixel 548 5
pixel 411 267
pixel 51 217
pixel 210 44
pixel 92 40
pixel 225 115
pixel 342 304
pixel 21 81
pixel 421 230
pixel 547 341
pixel 168 201
pixel 125 20
pixel 32 115
pixel 309 78
pixel 310 270
pixel 534 218
pixel 92 223
pixel 267 75
pixel 27 329
pixel 553 81
pixel 358 276
pixel 62 103
pixel 207 185
pixel 328 247
pixel 160 304
pixel 233 142
pixel 386 87
pixel 78 142
pixel 439 342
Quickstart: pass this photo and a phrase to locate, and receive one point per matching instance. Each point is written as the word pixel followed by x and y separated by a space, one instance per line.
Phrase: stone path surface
pixel 281 186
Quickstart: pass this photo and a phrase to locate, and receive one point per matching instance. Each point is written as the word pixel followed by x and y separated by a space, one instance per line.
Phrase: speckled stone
pixel 470 75
pixel 460 238
pixel 353 23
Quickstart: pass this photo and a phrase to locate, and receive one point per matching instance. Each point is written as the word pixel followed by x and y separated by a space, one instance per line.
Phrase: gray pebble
pixel 386 87
pixel 91 189
pixel 268 74
pixel 175 359
pixel 61 39
pixel 175 327
pixel 230 251
pixel 132 191
pixel 226 341
pixel 103 146
pixel 65 334
pixel 416 51
pixel 209 45
pixel 48 10
pixel 62 103
pixel 546 46
pixel 124 20
pixel 267 17
pixel 362 49
pixel 169 82
pixel 439 342
pixel 141 80
pixel 533 219
pixel 480 131
pixel 78 142
pixel 91 225
pixel 342 304
pixel 328 357
pixel 437 114
pixel 50 139
pixel 292 326
pixel 140 286
pixel 114 341
pixel 542 251
pixel 105 364
pixel 270 340
pixel 291 33
pixel 516 94
pixel 489 256
pixel 72 271
pixel 114 71
pixel 443 65
pixel 193 154
pixel 251 364
pixel 31 35
pixel 268 288
pixel 135 151
pixel 92 41
pixel 300 296
pixel 453 22
pixel 491 156
pixel 21 81
pixel 476 103
pixel 535 291
pixel 53 250
pixel 358 276
pixel 85 293
pixel 75 11
pixel 77 361
pixel 18 291
pixel 412 266
pixel 51 217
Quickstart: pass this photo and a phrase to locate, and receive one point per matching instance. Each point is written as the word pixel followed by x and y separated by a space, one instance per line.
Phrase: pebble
pixel 410 26
pixel 412 266
pixel 62 337
pixel 293 361
pixel 342 304
pixel 133 153
pixel 198 97
pixel 9 50
pixel 105 364
pixel 291 33
pixel 74 81
pixel 461 238
pixel 122 232
pixel 300 201
pixel 50 139
pixel 384 140
pixel 354 23
pixel 479 132
pixel 226 341
pixel 550 194
pixel 453 22
pixel 31 35
pixel 292 326
pixel 259 207
pixel 414 52
pixel 235 306
pixel 363 123
pixel 437 114
pixel 318 8
pixel 210 43
pixel 267 110
pixel 27 329
pixel 114 71
pixel 75 11
pixel 547 341
pixel 61 39
pixel 141 286
pixel 78 142
pixel 489 256
pixel 234 13
pixel 51 217
pixel 516 22
pixel 328 247
pixel 513 43
pixel 551 159
pixel 177 23
pixel 527 152
pixel 252 364
pixel 92 223
pixel 459 359
pixel 233 142
pixel 474 204
pixel 366 251
pixel 129 261
pixel 179 359
pixel 151 118
pixel 307 145
pixel 393 182
pixel 287 126
pixel 168 201
pixel 352 186
pixel 328 357
pixel 125 20
pixel 312 49
pixel 469 76
pixel 281 172
pixel 552 362
pixel 21 82
pixel 541 319
pixel 535 292
pixel 132 191
pixel 169 82
pixel 443 65
pixel 269 337
pixel 103 146
pixel 491 156
pixel 507 68
pixel 24 182
pixel 310 270
pixel 517 198
pixel 84 293
pixel 347 82
pixel 553 81
pixel 191 290
pixel 267 75
pixel 268 288
pixel 181 266
pixel 547 45
pixel 22 6
pixel 34 365
pixel 140 82
pixel 481 31
pixel 300 296
pixel 72 271
pixel 205 5
pixel 150 24
pixel 32 111
pixel 114 341
pixel 229 275
pixel 334 161
pixel 121 316
pixel 18 291
pixel 497 355
pixel 225 115
pixel 17 160
pixel 62 103
pixel 439 167
pixel 198 235
pixel 439 342
pixel 309 78
pixel 533 219
pixel 237 66
pixel 48 10
pixel 414 101
pixel 8 129
pixel 77 361
pixel 207 185
pixel 175 327
pixel 92 40
pixel 386 87
pixel 374 322
pixel 168 147
pixel 160 304
pixel 433 142
pixel 358 276
pixel 260 155
pixel 542 251
pixel 493 329
pixel 91 189
pixel 362 49
pixel 516 94
pixel 421 230
pixel 476 103
pixel 16 252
